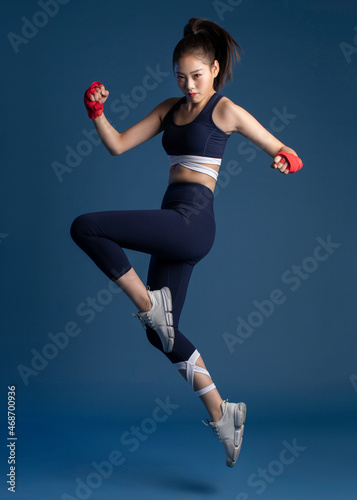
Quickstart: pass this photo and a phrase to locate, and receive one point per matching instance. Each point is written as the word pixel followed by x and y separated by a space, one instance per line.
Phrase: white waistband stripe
pixel 191 162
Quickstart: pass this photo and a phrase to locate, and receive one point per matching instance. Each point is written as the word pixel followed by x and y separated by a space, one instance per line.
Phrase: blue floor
pixel 180 459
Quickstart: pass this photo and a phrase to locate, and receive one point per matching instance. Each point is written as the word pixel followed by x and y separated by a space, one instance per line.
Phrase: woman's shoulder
pixel 225 104
pixel 224 114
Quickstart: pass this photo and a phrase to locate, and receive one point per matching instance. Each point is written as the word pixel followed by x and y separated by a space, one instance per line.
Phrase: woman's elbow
pixel 114 152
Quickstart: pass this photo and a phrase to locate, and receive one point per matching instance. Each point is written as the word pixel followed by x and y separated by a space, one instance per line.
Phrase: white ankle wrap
pixel 191 368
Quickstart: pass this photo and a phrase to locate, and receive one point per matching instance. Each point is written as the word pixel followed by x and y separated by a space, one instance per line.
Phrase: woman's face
pixel 194 77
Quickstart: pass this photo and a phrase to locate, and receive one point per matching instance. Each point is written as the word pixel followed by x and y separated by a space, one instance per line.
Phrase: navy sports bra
pixel 199 141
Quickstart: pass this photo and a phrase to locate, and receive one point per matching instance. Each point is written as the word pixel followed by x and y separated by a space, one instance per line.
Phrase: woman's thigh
pixel 164 233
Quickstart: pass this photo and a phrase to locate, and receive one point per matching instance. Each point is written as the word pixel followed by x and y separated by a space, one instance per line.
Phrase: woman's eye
pixel 197 76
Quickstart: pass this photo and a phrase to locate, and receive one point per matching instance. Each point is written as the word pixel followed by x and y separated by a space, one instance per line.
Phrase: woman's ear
pixel 215 68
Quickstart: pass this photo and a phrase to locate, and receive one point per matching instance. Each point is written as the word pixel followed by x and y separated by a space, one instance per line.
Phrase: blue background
pixel 297 370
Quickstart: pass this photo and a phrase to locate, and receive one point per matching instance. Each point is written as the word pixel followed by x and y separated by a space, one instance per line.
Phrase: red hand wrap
pixel 295 162
pixel 94 108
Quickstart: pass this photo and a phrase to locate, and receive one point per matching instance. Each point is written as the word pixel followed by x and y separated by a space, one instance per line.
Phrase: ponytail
pixel 209 42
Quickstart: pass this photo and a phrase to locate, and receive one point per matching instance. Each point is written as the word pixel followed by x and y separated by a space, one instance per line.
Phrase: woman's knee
pixel 79 227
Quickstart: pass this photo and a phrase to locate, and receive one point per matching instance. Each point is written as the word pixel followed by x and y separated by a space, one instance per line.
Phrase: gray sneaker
pixel 159 317
pixel 230 428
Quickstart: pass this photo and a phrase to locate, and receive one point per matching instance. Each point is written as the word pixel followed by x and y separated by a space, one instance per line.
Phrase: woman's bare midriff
pixel 178 173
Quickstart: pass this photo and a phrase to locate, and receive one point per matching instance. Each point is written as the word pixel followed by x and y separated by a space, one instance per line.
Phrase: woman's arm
pixel 117 143
pixel 242 122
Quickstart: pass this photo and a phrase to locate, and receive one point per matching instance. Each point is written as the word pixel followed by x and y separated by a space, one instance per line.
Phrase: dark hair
pixel 209 41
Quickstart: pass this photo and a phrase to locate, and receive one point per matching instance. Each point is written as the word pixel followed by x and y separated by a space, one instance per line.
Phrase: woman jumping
pixel 195 130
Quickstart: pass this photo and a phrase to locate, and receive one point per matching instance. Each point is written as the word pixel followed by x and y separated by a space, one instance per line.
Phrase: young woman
pixel 195 130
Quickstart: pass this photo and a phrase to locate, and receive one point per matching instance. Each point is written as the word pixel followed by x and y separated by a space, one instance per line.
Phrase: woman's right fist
pixel 94 98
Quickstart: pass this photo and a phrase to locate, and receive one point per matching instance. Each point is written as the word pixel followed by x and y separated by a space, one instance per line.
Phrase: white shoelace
pixel 214 428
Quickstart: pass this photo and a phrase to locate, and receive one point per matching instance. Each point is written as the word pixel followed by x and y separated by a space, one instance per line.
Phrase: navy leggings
pixel 177 236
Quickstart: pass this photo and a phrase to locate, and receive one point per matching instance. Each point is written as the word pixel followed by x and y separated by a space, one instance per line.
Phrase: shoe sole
pixel 167 302
pixel 240 412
